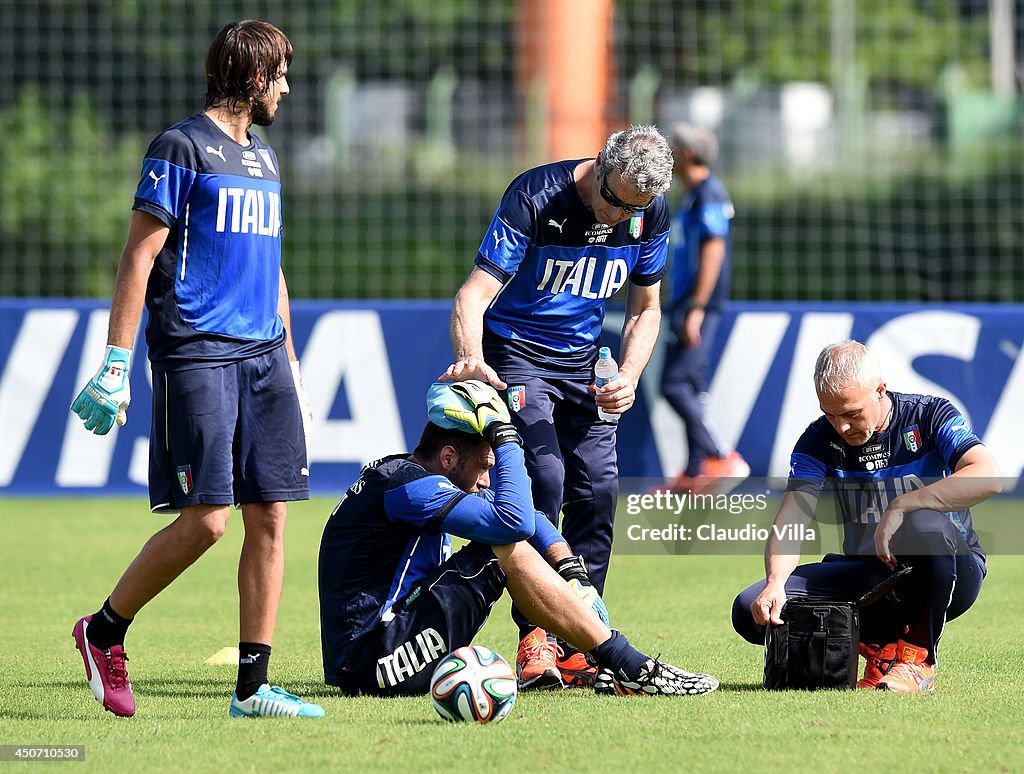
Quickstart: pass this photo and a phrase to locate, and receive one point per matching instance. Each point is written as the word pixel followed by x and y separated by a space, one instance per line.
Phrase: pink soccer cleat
pixel 106 672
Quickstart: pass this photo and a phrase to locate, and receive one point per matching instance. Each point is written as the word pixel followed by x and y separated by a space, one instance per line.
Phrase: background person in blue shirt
pixel 229 414
pixel 567 236
pixel 905 470
pixel 701 271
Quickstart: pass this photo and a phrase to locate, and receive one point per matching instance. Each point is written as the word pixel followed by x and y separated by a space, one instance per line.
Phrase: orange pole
pixel 564 46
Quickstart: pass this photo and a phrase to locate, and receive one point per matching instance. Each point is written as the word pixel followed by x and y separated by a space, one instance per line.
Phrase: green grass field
pixel 60 558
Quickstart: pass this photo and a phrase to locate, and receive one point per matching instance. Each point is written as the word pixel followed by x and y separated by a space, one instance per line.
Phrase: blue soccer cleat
pixel 272 701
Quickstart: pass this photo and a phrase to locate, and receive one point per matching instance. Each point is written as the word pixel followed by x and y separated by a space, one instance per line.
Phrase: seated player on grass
pixel 906 469
pixel 394 599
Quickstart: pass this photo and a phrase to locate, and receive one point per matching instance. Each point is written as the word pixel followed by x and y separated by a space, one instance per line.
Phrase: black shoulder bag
pixel 816 645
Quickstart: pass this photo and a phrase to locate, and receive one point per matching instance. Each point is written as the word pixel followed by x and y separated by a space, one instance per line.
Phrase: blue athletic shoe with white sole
pixel 272 701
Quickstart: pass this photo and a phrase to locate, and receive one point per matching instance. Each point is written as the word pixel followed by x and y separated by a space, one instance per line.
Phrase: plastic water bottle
pixel 605 370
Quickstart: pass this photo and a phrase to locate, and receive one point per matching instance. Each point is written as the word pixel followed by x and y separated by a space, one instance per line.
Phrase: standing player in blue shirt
pixel 700 276
pixel 564 239
pixel 906 470
pixel 204 254
pixel 395 599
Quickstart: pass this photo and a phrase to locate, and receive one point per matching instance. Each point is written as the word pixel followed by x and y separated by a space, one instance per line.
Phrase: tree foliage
pixel 65 195
pixel 902 43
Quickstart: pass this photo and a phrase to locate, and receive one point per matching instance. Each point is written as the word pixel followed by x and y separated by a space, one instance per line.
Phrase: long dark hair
pixel 243 62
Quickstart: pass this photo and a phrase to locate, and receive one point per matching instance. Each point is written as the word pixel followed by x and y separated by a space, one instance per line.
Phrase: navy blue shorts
pixel 943 585
pixel 442 613
pixel 227 435
pixel 572 462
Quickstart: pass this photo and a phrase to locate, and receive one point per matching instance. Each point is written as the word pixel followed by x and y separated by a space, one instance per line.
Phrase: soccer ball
pixel 474 684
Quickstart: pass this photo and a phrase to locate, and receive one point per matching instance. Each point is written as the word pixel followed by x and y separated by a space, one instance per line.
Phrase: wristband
pixel 500 433
pixel 573 568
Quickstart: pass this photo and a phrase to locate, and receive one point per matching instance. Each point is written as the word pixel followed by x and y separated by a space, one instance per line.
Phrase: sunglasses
pixel 615 201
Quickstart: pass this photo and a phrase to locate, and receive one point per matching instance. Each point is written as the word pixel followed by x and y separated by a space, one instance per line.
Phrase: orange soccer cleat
pixel 535 661
pixel 880 659
pixel 731 466
pixel 718 475
pixel 909 674
pixel 576 671
pixel 723 474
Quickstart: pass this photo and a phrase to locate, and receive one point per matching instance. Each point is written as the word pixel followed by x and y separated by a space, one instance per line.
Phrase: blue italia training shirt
pixel 213 292
pixel 393 528
pixel 558 267
pixel 705 214
pixel 924 441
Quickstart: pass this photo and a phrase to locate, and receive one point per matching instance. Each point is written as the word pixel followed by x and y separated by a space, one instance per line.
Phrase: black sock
pixel 252 668
pixel 107 628
pixel 617 654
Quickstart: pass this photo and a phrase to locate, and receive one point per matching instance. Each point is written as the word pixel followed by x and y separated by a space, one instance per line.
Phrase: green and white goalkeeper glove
pixel 105 398
pixel 480 407
pixel 574 571
pixel 471 406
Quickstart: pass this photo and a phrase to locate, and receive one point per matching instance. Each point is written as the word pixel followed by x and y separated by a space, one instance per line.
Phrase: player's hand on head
pixel 472 368
pixel 104 399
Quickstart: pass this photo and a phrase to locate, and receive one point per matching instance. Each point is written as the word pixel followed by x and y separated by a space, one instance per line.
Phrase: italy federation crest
pixel 185 478
pixel 516 397
pixel 912 438
pixel 636 225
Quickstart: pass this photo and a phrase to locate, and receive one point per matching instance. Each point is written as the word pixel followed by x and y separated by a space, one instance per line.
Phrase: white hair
pixel 844 364
pixel 642 156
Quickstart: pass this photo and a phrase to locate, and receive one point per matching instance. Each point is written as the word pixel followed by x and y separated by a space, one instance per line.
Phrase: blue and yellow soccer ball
pixel 473 684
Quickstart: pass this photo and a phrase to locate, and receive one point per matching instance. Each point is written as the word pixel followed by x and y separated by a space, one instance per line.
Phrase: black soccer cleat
pixel 654 679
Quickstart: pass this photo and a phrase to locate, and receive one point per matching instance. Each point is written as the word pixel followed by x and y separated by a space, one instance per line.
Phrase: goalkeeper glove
pixel 574 571
pixel 304 405
pixel 105 398
pixel 471 406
